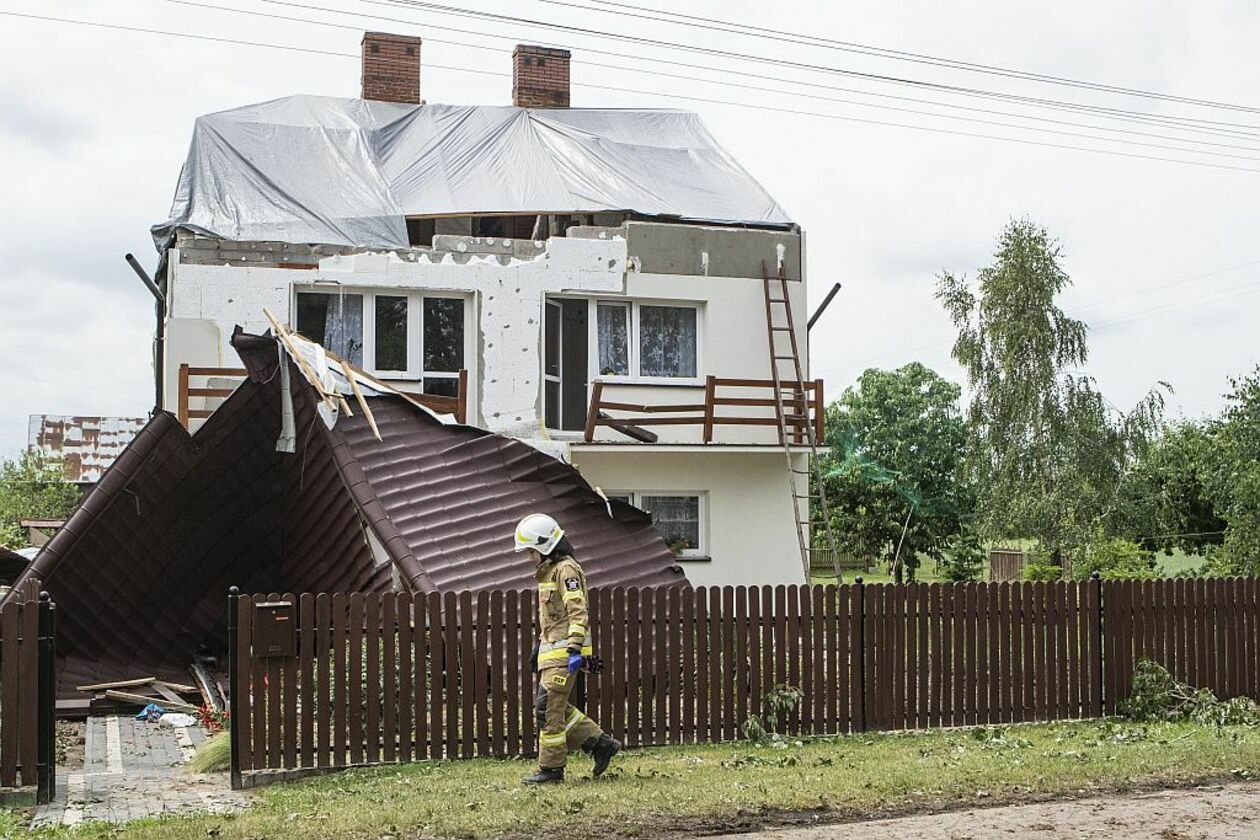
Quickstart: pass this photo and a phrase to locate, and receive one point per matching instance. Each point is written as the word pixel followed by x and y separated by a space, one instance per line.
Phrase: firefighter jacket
pixel 562 611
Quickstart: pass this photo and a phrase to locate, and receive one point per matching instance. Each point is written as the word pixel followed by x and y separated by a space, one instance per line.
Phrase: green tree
pixel 1234 483
pixel 32 487
pixel 1047 452
pixel 896 440
pixel 1164 501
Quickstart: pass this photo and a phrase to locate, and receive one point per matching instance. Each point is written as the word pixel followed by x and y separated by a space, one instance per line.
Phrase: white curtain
pixel 667 341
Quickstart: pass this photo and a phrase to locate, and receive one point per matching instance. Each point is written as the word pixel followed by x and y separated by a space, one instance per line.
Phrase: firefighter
pixel 564 648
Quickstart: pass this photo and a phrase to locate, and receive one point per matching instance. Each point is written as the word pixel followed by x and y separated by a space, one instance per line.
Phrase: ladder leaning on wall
pixel 791 408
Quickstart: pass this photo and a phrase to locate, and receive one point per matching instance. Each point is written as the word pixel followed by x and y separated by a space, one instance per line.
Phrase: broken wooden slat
pixel 105 686
pixel 141 700
pixel 178 687
pixel 170 696
pixel 358 395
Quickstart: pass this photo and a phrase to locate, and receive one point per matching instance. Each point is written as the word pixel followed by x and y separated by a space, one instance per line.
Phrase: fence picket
pixel 389 677
pixel 634 687
pixel 678 676
pixel 341 622
pixel 440 666
pixel 372 671
pixel 404 611
pixel 478 662
pixel 323 685
pixel 306 646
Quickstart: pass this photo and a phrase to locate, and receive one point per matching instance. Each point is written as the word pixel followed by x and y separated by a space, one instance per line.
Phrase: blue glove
pixel 575 660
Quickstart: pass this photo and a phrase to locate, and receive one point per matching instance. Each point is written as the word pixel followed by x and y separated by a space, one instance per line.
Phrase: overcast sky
pixel 1165 257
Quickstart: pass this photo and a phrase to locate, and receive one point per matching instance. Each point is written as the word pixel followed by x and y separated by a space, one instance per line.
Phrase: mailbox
pixel 274 631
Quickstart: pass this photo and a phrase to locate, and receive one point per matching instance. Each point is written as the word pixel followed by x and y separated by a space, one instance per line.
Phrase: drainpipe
pixel 159 336
pixel 822 308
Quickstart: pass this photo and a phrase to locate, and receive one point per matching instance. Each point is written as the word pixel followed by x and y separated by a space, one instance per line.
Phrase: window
pixel 648 341
pixel 667 341
pixel 406 336
pixel 613 320
pixel 334 320
pixel 677 517
pixel 391 333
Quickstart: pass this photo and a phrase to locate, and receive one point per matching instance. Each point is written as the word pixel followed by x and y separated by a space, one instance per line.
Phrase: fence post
pixel 1095 582
pixel 861 653
pixel 234 694
pixel 45 751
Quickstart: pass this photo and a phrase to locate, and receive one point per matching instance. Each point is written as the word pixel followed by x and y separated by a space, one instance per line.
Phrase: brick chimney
pixel 540 77
pixel 391 67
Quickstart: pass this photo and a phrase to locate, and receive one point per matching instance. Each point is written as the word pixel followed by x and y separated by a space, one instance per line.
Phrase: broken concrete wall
pixel 506 282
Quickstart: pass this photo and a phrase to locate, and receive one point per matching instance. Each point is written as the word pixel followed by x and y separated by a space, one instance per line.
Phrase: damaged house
pixel 387 330
pixel 591 281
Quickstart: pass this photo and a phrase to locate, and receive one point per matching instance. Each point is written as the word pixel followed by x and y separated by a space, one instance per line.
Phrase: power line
pixel 825 98
pixel 766 33
pixel 1131 117
pixel 439 8
pixel 660 94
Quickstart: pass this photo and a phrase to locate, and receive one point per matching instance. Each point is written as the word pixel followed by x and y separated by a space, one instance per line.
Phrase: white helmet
pixel 540 531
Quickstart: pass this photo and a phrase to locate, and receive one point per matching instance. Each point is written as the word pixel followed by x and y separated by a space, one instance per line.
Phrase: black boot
pixel 545 776
pixel 602 749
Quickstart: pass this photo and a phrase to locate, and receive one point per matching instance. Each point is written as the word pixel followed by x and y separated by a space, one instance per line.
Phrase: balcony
pixel 745 404
pixel 203 389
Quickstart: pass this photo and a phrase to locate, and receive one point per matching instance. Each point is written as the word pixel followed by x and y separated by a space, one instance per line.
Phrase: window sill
pixel 693 558
pixel 681 382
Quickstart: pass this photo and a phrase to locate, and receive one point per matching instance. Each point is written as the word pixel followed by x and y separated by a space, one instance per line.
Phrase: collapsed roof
pixel 140 571
pixel 317 169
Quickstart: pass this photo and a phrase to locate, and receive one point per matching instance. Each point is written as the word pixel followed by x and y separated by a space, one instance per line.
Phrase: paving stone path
pixel 134 769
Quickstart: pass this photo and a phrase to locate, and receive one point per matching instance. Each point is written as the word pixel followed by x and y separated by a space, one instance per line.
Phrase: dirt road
pixel 1204 813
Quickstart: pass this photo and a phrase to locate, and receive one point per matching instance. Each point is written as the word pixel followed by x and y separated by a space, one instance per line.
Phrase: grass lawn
pixel 667 791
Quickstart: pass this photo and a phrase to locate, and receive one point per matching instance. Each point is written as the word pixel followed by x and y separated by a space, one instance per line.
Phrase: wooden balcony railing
pixel 456 405
pixel 187 393
pixel 802 407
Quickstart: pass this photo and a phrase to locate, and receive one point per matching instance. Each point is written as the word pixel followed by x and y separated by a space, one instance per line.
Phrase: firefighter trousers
pixel 561 727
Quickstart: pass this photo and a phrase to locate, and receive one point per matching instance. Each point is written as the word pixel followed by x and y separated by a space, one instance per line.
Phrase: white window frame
pixel 415 326
pixel 634 378
pixel 635 498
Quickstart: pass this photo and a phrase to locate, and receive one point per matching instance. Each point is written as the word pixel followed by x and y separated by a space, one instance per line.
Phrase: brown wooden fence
pixel 26 692
pixel 383 678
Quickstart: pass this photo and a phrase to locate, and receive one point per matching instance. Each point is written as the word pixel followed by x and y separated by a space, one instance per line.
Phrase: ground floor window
pixel 678 517
pixel 394 334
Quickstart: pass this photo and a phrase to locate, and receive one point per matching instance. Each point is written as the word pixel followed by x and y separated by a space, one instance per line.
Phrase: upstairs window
pixel 647 341
pixel 333 320
pixel 404 336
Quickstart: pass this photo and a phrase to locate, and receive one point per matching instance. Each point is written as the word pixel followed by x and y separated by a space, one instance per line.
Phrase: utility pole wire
pixel 763 32
pixel 686 97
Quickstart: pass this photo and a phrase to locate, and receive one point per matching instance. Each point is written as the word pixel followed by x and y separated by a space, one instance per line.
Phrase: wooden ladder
pixel 795 427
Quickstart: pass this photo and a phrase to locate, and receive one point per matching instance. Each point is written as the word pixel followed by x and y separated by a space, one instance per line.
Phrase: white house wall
pixel 505 320
pixel 750 515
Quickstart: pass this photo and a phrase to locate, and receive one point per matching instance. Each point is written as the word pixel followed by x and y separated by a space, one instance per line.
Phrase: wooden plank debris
pixel 142 700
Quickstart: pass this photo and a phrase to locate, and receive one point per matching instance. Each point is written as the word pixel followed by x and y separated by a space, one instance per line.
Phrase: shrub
pixel 964 557
pixel 1042 571
pixel 1117 558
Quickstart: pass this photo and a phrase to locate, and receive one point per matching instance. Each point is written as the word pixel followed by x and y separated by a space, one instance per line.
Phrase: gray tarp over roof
pixel 315 169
